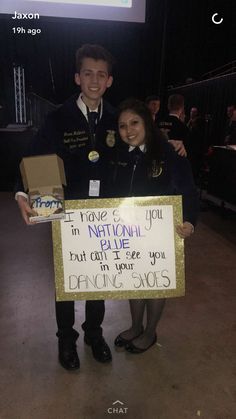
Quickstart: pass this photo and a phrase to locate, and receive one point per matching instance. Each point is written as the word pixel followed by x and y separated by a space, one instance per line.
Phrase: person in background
pixel 147 165
pixel 173 128
pixel 182 117
pixel 230 132
pixel 82 133
pixel 153 103
pixel 193 117
pixel 230 111
pixel 196 146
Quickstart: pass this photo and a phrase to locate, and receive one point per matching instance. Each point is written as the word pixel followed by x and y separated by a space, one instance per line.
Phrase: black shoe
pixel 68 356
pixel 100 348
pixel 135 350
pixel 122 342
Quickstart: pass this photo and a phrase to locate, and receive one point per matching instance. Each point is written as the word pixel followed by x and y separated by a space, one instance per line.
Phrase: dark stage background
pixel 178 41
pixel 211 97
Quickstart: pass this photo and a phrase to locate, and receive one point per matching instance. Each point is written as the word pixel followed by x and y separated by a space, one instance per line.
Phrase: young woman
pixel 148 166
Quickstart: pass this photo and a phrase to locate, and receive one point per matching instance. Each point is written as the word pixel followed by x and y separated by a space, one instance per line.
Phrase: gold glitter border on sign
pixel 174 201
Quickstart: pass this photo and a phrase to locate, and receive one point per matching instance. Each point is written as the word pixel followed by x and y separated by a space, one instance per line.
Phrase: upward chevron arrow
pixel 117 401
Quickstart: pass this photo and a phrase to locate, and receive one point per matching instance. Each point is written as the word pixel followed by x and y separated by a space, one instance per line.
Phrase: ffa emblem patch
pixel 156 169
pixel 110 139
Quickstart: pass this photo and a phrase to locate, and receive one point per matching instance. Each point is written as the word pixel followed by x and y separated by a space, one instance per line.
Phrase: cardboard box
pixel 43 177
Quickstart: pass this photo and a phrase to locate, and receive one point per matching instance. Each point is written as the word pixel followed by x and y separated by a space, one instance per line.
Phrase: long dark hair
pixel 153 136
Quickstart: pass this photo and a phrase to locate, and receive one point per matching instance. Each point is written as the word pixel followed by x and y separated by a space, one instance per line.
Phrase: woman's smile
pixel 131 128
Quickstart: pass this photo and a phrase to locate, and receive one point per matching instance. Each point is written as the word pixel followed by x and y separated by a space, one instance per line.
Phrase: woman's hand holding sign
pixel 185 230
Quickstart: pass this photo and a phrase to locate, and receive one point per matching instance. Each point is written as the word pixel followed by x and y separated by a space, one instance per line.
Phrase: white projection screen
pixel 121 10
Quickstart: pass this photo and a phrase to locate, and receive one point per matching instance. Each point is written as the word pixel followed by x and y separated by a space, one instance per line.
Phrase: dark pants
pixel 65 316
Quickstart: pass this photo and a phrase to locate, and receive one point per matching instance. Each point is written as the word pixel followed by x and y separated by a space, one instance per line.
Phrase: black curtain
pixel 211 97
pixel 178 40
pixel 49 57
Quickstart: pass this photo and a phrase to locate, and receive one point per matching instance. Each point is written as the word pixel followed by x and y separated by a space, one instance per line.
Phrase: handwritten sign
pixel 119 248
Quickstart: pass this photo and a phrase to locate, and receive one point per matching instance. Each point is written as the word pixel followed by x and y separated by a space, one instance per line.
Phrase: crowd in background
pixel 190 131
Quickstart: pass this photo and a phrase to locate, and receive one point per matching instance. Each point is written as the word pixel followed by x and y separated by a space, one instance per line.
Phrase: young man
pixel 82 133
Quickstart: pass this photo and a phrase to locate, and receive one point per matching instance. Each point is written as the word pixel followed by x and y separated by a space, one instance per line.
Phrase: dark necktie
pixel 93 120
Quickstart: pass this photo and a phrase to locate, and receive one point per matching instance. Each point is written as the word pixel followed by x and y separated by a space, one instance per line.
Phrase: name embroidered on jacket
pixel 122 163
pixel 75 139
